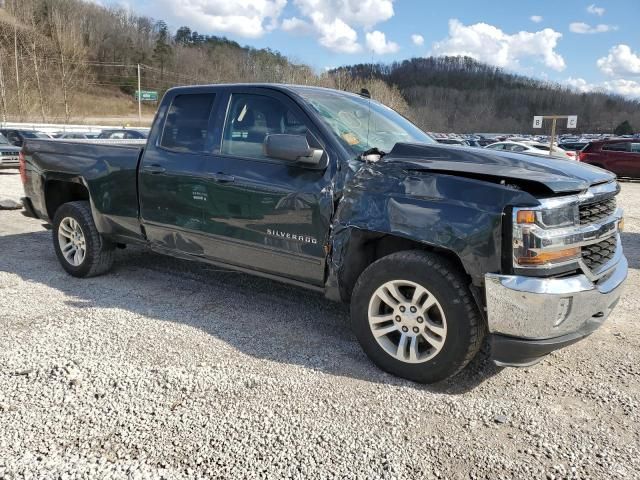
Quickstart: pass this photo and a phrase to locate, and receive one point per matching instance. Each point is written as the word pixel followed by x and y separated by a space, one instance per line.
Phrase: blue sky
pixel 580 43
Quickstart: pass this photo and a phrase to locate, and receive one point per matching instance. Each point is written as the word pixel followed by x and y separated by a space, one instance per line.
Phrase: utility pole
pixel 15 54
pixel 139 99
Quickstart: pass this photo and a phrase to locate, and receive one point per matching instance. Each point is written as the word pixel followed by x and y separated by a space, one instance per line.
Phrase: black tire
pixel 465 326
pixel 99 252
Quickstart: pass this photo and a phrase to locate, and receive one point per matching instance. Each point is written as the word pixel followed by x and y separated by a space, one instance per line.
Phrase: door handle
pixel 222 177
pixel 154 169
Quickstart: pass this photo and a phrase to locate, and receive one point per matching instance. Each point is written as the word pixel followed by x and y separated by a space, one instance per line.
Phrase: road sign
pixel 146 95
pixel 537 122
pixel 572 121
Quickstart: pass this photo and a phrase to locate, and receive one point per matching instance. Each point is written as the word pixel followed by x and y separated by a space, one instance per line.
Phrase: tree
pixel 624 128
pixel 162 49
pixel 183 36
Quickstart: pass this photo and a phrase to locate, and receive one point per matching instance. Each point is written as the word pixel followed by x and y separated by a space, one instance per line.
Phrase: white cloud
pixel 535 18
pixel 489 44
pixel 245 18
pixel 296 25
pixel 334 21
pixel 581 27
pixel 621 60
pixel 336 35
pixel 592 9
pixel 620 86
pixel 580 85
pixel 378 44
pixel 417 39
pixel 362 13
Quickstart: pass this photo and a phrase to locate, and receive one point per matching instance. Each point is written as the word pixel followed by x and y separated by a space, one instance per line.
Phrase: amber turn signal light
pixel 526 216
pixel 551 257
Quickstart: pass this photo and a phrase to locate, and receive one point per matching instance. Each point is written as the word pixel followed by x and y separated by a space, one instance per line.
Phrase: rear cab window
pixel 186 126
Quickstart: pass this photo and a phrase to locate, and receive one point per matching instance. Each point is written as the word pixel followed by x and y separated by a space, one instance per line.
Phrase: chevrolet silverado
pixel 437 248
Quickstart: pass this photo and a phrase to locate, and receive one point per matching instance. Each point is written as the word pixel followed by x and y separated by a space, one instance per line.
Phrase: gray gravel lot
pixel 165 368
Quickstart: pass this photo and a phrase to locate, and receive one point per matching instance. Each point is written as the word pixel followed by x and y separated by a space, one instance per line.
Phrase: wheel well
pixel 59 192
pixel 366 247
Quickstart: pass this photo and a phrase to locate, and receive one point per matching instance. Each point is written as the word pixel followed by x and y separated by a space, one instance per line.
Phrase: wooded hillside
pixel 449 94
pixel 64 60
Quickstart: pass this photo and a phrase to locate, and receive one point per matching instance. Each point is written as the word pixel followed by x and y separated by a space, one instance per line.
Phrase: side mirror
pixel 293 148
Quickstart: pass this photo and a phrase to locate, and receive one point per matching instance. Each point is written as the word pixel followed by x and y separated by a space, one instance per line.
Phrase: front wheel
pixel 415 317
pixel 80 249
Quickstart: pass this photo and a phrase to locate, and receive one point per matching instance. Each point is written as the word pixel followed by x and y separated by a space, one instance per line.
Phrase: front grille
pixel 597 254
pixel 9 154
pixel 597 211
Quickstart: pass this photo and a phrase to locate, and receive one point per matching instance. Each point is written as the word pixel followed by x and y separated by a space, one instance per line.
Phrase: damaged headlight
pixel 536 242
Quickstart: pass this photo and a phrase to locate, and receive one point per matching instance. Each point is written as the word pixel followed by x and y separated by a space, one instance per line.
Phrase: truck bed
pixel 108 171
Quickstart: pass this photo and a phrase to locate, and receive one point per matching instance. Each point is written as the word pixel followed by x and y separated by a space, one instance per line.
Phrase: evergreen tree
pixel 624 128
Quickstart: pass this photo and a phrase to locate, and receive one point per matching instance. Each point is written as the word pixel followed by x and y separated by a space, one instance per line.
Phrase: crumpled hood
pixel 560 176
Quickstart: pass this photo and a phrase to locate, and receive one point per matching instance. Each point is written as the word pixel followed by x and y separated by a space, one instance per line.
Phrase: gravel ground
pixel 169 369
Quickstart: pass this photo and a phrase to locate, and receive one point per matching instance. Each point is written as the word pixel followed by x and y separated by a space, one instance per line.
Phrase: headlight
pixel 550 218
pixel 534 236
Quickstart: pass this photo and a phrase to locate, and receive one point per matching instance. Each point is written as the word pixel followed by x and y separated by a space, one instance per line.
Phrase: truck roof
pixel 284 87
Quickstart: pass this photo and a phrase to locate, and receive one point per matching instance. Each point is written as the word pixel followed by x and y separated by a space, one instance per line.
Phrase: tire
pixel 98 253
pixel 453 328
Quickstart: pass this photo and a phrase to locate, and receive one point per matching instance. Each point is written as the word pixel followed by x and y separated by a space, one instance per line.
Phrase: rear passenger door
pixel 629 160
pixel 263 213
pixel 617 157
pixel 171 187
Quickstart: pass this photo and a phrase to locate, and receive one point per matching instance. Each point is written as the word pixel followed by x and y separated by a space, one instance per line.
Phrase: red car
pixel 621 156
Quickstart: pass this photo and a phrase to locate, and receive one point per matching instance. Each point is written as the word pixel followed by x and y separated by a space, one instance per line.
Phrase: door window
pixel 497 146
pixel 616 147
pixel 185 129
pixel 635 147
pixel 251 118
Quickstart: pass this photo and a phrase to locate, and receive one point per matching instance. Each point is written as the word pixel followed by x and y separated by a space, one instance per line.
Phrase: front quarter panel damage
pixel 457 214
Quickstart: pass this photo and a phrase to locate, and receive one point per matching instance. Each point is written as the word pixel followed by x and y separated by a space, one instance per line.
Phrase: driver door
pixel 263 213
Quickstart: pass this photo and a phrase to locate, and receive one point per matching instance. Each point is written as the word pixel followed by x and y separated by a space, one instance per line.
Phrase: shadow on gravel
pixel 631 246
pixel 259 317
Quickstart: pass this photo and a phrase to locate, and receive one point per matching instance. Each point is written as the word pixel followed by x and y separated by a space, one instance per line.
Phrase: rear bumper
pixel 531 317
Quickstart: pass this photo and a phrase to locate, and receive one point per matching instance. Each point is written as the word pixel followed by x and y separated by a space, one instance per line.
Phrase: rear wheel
pixel 415 316
pixel 80 249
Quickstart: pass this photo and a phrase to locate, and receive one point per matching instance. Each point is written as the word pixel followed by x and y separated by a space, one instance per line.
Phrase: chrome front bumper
pixel 530 308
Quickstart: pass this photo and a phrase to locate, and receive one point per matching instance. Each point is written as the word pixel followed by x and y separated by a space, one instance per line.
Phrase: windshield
pixel 348 116
pixel 3 140
pixel 32 134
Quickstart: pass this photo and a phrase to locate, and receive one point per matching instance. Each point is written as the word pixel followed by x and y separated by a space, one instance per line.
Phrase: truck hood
pixel 559 176
pixel 10 148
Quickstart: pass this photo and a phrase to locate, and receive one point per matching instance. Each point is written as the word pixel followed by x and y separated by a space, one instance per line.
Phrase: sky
pixel 588 46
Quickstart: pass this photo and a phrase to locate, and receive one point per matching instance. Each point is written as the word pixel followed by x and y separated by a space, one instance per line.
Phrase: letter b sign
pixel 537 122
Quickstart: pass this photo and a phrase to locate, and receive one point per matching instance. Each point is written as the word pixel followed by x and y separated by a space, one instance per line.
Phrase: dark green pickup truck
pixel 437 248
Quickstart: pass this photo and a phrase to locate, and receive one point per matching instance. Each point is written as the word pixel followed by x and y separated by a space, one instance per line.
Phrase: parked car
pixel 531 148
pixel 122 133
pixel 573 146
pixel 435 247
pixel 8 154
pixel 620 156
pixel 452 141
pixel 17 137
pixel 76 135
